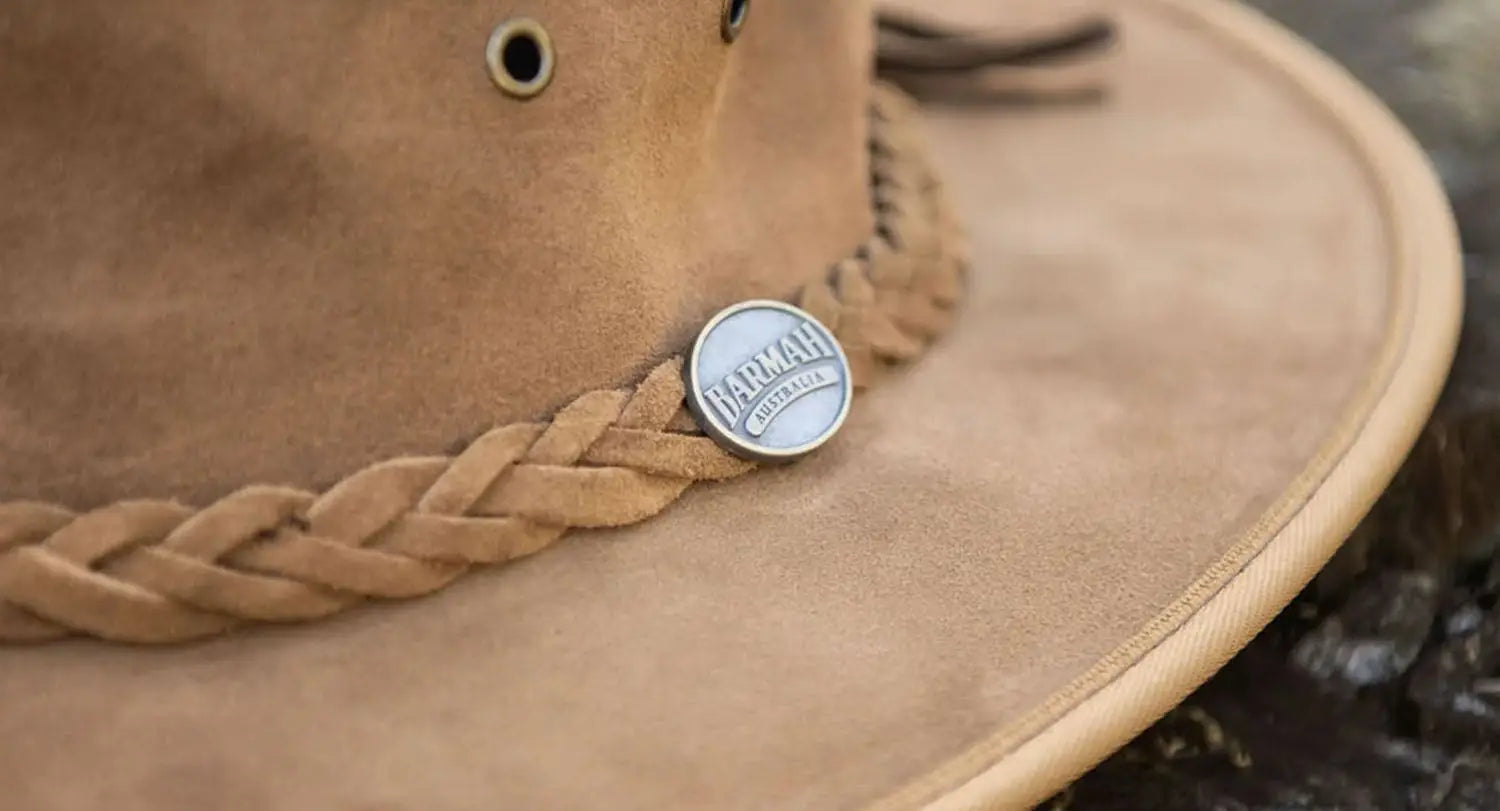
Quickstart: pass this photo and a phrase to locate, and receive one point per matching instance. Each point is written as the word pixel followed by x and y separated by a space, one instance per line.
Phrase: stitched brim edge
pixel 1144 679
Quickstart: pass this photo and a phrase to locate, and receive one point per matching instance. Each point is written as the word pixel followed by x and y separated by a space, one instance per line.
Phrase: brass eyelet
pixel 732 20
pixel 520 58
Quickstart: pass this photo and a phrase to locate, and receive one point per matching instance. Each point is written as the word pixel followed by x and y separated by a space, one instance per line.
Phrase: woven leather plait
pixel 160 571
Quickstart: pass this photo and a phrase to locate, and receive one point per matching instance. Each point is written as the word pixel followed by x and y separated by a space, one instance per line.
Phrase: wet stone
pixel 1377 634
pixel 1465 620
pixel 1478 214
pixel 1455 686
pixel 1471 785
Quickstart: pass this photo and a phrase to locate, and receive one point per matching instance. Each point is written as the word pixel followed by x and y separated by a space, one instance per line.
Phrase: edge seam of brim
pixel 1234 599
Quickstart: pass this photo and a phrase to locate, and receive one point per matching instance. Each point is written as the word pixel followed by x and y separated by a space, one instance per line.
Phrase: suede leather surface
pixel 252 241
pixel 1174 299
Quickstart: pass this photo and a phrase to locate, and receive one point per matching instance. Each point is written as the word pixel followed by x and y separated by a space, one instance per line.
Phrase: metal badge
pixel 768 382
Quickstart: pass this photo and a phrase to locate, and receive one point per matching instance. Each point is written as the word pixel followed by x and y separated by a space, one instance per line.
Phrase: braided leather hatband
pixel 160 571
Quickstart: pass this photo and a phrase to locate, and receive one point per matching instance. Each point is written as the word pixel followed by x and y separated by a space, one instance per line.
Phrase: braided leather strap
pixel 159 571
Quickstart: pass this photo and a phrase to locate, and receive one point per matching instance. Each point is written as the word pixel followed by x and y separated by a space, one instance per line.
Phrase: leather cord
pixel 937 61
pixel 909 42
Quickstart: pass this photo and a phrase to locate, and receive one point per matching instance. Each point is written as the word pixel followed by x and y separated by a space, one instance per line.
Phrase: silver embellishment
pixel 768 382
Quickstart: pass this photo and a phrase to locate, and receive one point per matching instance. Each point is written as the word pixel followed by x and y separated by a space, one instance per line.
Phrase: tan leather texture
pixel 160 571
pixel 1178 302
pixel 249 241
pixel 1187 307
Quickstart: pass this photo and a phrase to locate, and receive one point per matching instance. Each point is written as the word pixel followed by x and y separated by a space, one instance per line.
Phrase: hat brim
pixel 1207 320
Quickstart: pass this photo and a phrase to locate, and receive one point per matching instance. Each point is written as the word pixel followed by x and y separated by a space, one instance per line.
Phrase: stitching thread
pixel 161 572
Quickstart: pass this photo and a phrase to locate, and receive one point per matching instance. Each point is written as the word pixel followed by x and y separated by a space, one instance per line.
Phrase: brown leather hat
pixel 445 404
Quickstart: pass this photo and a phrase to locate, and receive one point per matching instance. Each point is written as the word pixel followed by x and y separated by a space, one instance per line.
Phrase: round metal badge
pixel 768 382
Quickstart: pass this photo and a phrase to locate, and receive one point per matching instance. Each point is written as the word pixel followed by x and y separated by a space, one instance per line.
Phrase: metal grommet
pixel 520 58
pixel 733 18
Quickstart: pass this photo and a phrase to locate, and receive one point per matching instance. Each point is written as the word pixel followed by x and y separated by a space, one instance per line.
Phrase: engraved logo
pixel 768 382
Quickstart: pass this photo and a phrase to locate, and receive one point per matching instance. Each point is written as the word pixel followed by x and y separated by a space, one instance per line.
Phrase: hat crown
pixel 250 241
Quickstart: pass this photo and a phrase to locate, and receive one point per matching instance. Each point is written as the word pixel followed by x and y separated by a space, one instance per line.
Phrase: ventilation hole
pixel 733 19
pixel 523 59
pixel 520 58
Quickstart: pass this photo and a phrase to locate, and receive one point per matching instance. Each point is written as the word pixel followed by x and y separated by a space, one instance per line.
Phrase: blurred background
pixel 1379 688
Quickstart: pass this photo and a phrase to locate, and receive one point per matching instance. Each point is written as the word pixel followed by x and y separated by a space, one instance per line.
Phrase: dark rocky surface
pixel 1379 688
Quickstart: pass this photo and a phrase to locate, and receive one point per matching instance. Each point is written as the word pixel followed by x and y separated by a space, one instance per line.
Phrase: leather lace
pixel 939 62
pixel 911 43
